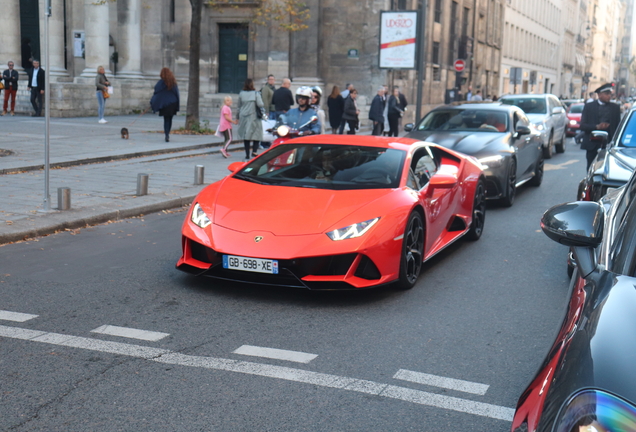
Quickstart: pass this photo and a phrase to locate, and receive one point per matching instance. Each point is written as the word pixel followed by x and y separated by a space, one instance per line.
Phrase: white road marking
pixel 271 371
pixel 15 316
pixel 438 381
pixel 273 353
pixel 130 333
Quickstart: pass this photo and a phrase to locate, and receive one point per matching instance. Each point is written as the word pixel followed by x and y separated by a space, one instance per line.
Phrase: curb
pixel 62 220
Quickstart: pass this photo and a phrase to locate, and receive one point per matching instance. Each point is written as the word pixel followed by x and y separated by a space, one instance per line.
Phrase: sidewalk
pixel 99 191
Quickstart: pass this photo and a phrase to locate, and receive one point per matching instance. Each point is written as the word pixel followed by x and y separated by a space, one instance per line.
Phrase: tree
pixel 285 15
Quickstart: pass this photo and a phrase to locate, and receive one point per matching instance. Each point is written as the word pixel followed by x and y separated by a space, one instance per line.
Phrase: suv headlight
pixel 199 218
pixel 539 126
pixel 352 231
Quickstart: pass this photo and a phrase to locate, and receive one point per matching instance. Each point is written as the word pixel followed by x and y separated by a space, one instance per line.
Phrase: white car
pixel 547 114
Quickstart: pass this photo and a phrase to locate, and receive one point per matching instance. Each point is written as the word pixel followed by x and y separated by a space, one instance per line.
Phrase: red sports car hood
pixel 282 210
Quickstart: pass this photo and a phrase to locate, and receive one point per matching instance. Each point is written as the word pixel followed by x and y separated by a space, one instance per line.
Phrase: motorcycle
pixel 284 133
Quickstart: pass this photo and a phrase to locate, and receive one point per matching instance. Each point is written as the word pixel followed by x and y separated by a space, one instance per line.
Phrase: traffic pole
pixel 47 107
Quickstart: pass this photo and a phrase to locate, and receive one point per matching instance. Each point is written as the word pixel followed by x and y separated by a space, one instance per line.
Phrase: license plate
pixel 256 265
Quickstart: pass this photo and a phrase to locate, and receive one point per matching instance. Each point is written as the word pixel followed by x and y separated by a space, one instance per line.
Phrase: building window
pixel 398 4
pixel 435 53
pixel 452 37
pixel 437 73
pixel 172 11
pixel 438 11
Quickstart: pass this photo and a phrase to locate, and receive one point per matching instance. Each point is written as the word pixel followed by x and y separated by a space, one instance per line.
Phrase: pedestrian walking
pixel 395 112
pixel 250 127
pixel 102 83
pixel 316 97
pixel 36 86
pixel 10 77
pixel 335 105
pixel 166 99
pixel 600 114
pixel 345 95
pixel 283 99
pixel 267 93
pixel 477 97
pixel 225 124
pixel 376 112
pixel 351 111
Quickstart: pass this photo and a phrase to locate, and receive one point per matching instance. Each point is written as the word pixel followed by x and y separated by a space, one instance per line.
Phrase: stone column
pixel 129 43
pixel 96 28
pixel 56 37
pixel 10 48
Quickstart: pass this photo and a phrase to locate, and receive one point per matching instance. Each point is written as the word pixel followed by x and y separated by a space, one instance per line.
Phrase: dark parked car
pixel 615 162
pixel 499 136
pixel 587 381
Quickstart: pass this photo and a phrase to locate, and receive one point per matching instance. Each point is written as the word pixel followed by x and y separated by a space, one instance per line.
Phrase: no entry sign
pixel 459 65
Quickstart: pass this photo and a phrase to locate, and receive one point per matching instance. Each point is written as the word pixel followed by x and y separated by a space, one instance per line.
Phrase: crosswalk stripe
pixel 132 333
pixel 438 381
pixel 15 316
pixel 273 353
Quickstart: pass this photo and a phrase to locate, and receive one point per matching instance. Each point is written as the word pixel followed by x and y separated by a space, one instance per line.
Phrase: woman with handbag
pixel 166 99
pixel 394 112
pixel 250 107
pixel 102 83
pixel 351 111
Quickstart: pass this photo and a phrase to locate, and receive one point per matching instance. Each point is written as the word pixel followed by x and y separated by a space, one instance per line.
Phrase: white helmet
pixel 303 91
pixel 317 89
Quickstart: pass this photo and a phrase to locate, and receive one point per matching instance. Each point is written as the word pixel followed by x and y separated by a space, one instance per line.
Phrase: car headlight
pixel 595 410
pixel 573 122
pixel 282 130
pixel 352 231
pixel 539 126
pixel 199 218
pixel 491 161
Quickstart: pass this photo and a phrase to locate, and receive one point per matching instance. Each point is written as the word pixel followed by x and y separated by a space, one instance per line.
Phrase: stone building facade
pixel 134 39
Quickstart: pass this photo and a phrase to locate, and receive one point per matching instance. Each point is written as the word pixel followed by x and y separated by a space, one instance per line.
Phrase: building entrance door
pixel 30 32
pixel 233 40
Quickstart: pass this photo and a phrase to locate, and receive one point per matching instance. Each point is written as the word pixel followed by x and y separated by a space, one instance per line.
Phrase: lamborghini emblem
pixel 258 238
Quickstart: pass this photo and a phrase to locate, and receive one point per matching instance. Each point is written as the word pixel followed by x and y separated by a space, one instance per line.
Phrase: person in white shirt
pixel 36 85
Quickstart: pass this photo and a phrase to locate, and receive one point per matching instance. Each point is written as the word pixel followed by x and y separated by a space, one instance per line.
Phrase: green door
pixel 233 40
pixel 29 32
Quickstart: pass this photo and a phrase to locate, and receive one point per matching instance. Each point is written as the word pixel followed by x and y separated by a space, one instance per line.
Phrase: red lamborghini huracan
pixel 340 212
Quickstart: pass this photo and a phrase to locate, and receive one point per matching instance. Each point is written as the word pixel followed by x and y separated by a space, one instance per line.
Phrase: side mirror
pixel 443 181
pixel 522 130
pixel 601 137
pixel 409 127
pixel 558 110
pixel 578 225
pixel 235 166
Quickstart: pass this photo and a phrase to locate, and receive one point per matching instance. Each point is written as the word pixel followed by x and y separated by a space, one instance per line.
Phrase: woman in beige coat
pixel 250 127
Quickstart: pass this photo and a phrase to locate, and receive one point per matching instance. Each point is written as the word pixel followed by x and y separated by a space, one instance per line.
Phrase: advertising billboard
pixel 398 39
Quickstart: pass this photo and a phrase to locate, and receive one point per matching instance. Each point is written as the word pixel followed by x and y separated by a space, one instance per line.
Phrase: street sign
pixel 459 65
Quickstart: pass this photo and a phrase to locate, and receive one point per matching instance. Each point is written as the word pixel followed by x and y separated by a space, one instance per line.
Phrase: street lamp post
pixel 47 106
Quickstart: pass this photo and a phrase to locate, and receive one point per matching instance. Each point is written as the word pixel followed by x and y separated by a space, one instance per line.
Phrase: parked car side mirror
pixel 600 136
pixel 522 130
pixel 235 166
pixel 578 225
pixel 409 127
pixel 558 110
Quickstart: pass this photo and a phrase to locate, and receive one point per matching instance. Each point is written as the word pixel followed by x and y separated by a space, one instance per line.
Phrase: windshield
pixel 628 134
pixel 474 120
pixel 528 105
pixel 577 108
pixel 326 166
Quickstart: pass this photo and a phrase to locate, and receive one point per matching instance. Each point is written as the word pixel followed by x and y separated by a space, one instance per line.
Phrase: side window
pixel 423 166
pixel 623 250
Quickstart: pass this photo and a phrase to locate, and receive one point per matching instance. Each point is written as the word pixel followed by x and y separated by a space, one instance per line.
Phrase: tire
pixel 547 151
pixel 479 212
pixel 538 173
pixel 412 252
pixel 560 147
pixel 508 199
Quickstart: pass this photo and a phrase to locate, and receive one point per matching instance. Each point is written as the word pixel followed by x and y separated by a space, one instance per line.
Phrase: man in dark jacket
pixel 36 85
pixel 282 99
pixel 10 77
pixel 600 114
pixel 376 112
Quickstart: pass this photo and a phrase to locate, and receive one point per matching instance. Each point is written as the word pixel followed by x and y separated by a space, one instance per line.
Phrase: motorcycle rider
pixel 300 118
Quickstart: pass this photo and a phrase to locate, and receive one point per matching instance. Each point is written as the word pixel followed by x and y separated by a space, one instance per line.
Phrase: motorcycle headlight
pixel 573 122
pixel 491 161
pixel 199 218
pixel 282 130
pixel 352 231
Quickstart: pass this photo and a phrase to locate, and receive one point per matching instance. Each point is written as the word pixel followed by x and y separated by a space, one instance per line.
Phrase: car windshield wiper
pixel 250 179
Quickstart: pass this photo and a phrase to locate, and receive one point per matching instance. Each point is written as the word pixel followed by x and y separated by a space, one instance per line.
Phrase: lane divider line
pixel 281 372
pixel 15 316
pixel 438 381
pixel 131 333
pixel 274 353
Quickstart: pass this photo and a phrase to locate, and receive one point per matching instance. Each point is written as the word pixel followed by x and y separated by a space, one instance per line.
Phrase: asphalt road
pixel 454 353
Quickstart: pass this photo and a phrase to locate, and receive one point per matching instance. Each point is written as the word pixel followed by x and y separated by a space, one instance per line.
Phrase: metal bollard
pixel 198 174
pixel 142 184
pixel 63 198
